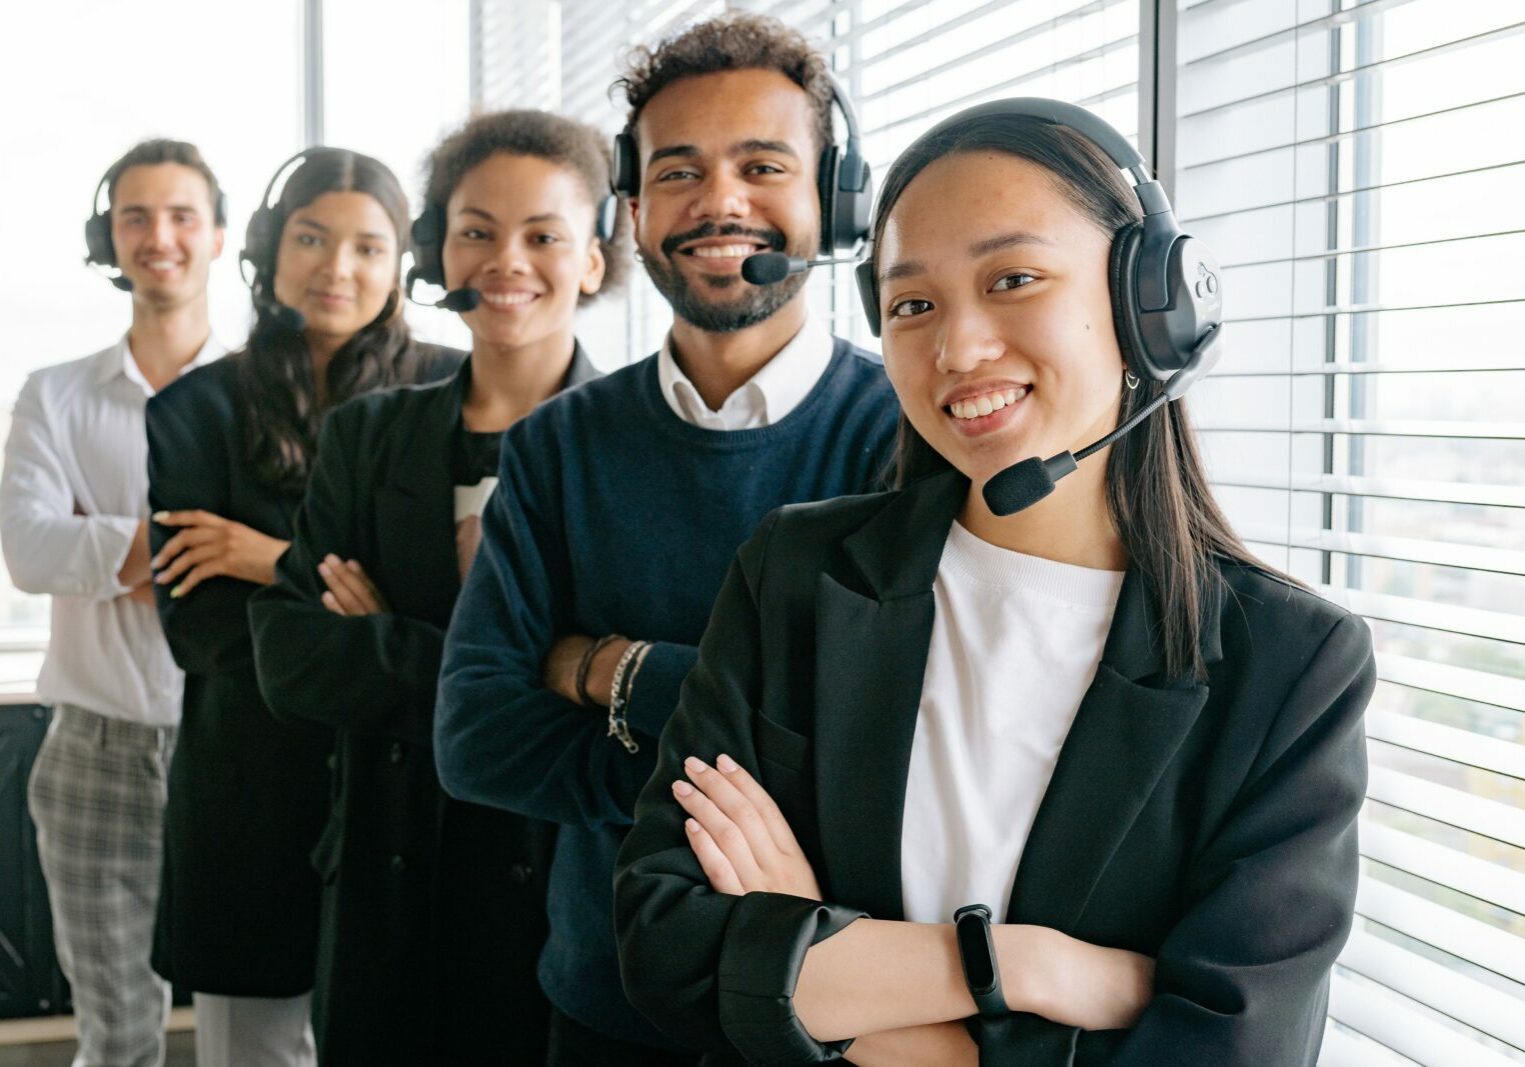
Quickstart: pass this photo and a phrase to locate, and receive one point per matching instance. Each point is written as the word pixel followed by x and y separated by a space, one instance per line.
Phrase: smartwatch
pixel 976 950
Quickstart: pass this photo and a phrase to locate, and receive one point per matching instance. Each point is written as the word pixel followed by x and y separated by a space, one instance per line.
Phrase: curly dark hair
pixel 579 148
pixel 733 41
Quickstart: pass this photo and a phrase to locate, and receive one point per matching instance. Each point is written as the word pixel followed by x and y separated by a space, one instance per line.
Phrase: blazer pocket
pixel 780 745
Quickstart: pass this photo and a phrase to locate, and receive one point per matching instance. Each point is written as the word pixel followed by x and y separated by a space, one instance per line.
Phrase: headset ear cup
pixel 1122 273
pixel 826 191
pixel 624 165
pixel 428 234
pixel 608 218
pixel 868 293
pixel 99 248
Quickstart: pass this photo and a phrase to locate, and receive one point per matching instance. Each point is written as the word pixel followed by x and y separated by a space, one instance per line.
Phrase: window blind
pixel 1356 167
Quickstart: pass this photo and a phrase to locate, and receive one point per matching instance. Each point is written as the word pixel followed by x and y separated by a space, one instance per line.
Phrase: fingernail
pixel 691 825
pixel 726 764
pixel 174 594
pixel 683 789
pixel 160 579
pixel 694 765
pixel 323 566
pixel 159 516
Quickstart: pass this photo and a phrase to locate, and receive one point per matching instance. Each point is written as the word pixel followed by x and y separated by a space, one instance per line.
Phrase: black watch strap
pixel 976 951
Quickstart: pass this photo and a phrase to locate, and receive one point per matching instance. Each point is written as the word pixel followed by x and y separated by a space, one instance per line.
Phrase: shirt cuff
pixel 116 533
pixel 654 692
pixel 765 944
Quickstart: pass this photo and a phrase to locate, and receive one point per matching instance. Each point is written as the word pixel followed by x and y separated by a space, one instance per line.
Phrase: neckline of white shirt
pixel 767 397
pixel 1003 568
pixel 211 349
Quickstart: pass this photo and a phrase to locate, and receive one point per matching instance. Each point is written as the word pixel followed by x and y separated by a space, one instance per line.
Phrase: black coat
pixel 433 909
pixel 238 902
pixel 1211 826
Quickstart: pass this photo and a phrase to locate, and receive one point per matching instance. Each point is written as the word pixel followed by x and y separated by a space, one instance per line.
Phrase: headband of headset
pixel 843 181
pixel 1165 291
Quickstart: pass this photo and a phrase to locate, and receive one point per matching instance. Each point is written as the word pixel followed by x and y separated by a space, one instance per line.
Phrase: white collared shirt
pixel 74 489
pixel 768 395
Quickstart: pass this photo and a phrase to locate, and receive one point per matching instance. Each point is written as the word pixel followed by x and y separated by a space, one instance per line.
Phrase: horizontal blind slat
pixel 1487 818
pixel 1429 615
pixel 1414 855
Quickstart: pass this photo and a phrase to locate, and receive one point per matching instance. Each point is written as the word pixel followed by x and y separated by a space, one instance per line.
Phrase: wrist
pixel 601 670
pixel 1026 955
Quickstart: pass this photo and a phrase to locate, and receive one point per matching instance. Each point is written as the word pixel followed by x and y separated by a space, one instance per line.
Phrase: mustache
pixel 774 239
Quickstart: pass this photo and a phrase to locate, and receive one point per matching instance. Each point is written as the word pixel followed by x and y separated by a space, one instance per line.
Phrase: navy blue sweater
pixel 613 515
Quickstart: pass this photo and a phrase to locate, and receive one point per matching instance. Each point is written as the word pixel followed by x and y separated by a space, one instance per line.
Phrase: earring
pixel 1130 379
pixel 635 254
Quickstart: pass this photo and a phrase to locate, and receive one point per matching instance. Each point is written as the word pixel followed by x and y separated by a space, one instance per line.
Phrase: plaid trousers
pixel 97 796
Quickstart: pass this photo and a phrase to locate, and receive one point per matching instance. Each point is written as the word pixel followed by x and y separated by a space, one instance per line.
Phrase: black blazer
pixel 238 902
pixel 1211 826
pixel 433 909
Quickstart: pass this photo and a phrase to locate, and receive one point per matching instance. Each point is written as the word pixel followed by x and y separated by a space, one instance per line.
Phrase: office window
pixel 228 79
pixel 1357 168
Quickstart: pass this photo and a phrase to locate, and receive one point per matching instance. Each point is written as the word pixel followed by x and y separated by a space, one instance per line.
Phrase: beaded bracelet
pixel 586 664
pixel 619 695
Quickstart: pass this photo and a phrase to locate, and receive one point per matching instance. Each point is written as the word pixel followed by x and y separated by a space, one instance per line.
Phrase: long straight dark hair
pixel 279 392
pixel 1157 489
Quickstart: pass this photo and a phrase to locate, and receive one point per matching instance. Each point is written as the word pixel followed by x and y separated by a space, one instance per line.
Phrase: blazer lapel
pixel 1124 735
pixel 871 653
pixel 416 506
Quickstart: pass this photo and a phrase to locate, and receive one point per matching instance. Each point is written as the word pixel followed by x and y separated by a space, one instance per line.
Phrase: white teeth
pixel 161 264
pixel 986 403
pixel 722 251
pixel 503 300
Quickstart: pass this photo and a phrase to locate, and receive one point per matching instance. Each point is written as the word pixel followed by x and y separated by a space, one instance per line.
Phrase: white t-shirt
pixel 1015 644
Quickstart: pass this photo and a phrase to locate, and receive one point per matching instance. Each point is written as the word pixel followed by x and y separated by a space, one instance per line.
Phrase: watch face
pixel 975 951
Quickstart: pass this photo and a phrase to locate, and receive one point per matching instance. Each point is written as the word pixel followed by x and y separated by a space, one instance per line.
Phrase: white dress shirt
pixel 74 489
pixel 1016 641
pixel 768 395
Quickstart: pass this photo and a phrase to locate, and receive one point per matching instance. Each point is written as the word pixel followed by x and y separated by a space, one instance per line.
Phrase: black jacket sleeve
pixel 715 971
pixel 374 674
pixel 1242 978
pixel 207 630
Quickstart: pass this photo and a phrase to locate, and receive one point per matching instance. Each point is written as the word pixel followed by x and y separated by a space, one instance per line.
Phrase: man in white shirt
pixel 73 524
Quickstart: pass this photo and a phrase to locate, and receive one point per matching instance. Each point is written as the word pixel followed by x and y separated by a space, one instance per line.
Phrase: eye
pixel 371 251
pixel 905 309
pixel 307 240
pixel 679 174
pixel 1012 281
pixel 474 233
pixel 547 238
pixel 765 168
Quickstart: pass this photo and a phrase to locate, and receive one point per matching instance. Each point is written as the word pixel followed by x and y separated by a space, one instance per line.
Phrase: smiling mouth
pixel 986 403
pixel 509 300
pixel 161 264
pixel 730 251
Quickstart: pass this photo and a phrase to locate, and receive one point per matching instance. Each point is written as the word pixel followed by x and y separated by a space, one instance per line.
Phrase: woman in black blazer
pixel 230 447
pixel 1186 874
pixel 433 909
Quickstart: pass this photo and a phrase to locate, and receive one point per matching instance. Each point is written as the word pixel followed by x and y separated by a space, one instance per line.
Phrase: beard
pixel 706 304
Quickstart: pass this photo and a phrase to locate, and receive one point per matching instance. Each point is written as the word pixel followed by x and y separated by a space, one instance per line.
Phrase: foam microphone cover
pixel 1022 485
pixel 460 300
pixel 122 282
pixel 767 268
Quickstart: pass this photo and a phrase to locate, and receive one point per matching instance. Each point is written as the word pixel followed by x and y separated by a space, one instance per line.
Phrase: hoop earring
pixel 1130 379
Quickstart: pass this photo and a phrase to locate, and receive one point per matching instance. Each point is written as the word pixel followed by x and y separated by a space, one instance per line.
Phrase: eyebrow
pixel 740 148
pixel 316 225
pixel 143 209
pixel 912 267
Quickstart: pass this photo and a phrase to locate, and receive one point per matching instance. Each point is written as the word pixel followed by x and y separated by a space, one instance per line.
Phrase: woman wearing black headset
pixel 230 448
pixel 434 909
pixel 1091 718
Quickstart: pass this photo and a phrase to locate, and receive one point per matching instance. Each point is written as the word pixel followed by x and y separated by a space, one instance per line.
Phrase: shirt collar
pixel 774 391
pixel 118 361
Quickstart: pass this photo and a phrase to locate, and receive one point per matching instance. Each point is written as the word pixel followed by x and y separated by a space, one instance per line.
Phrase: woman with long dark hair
pixel 957 780
pixel 434 909
pixel 230 449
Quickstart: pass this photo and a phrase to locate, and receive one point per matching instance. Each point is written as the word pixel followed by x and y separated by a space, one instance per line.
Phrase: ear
pixel 218 235
pixel 593 277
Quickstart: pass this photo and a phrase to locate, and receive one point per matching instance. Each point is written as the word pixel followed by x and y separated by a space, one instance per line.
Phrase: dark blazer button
pixel 521 873
pixel 398 863
pixel 396 751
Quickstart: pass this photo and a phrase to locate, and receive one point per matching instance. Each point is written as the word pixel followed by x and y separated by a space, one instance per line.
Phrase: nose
pixel 722 195
pixel 512 256
pixel 969 338
pixel 161 230
pixel 340 261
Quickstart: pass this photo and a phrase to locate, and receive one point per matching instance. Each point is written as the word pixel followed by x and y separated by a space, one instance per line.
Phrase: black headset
pixel 100 249
pixel 428 232
pixel 1166 297
pixel 843 181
